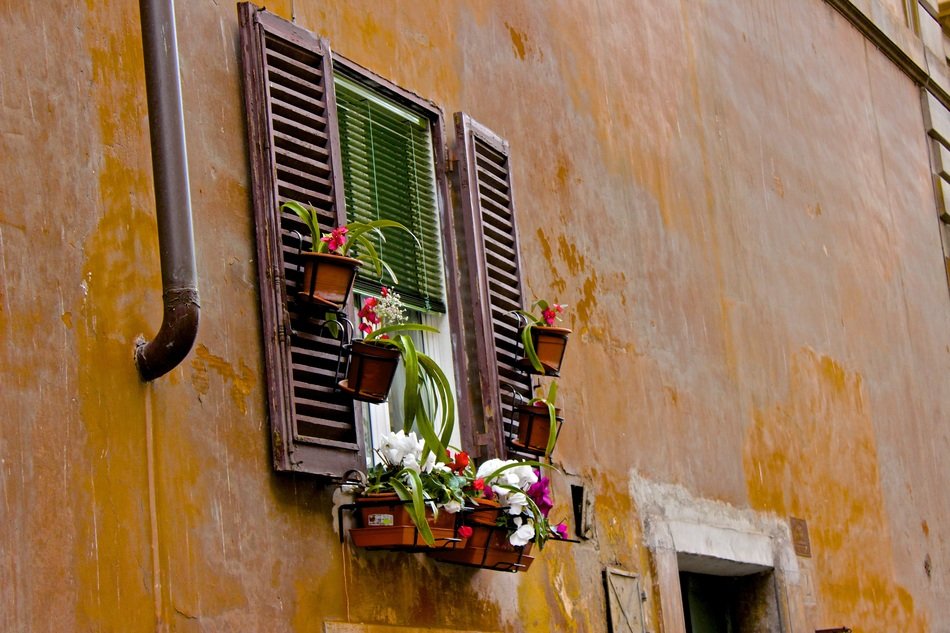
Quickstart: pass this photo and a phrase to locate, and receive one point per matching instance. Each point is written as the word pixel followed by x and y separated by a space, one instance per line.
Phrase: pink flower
pixel 368 316
pixel 561 530
pixel 465 531
pixel 335 239
pixel 550 314
pixel 540 493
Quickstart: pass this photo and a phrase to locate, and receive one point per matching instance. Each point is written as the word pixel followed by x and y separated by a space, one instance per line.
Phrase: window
pixel 389 173
pixel 325 131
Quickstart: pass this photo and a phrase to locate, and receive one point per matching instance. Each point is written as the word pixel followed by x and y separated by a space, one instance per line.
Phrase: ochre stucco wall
pixel 734 198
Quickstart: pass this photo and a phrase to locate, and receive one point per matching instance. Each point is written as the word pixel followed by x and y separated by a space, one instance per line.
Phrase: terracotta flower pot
pixel 386 524
pixel 371 372
pixel 534 428
pixel 549 345
pixel 327 278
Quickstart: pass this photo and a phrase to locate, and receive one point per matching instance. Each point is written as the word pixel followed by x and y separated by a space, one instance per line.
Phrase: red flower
pixel 460 462
pixel 478 484
pixel 335 239
pixel 465 531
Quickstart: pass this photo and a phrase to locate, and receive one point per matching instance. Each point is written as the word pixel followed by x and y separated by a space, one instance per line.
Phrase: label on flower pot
pixel 376 520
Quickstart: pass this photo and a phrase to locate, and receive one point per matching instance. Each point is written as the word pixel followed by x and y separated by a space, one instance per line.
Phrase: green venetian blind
pixel 388 173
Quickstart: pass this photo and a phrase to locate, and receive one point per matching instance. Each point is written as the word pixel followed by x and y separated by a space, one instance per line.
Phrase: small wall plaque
pixel 800 536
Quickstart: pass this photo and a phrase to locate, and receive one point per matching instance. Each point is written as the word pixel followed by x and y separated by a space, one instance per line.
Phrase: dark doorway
pixel 728 604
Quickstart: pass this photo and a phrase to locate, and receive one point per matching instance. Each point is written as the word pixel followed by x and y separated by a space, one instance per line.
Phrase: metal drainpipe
pixel 176 241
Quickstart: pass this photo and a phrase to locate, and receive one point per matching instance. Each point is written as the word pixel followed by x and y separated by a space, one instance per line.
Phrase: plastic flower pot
pixel 385 524
pixel 371 372
pixel 328 279
pixel 486 513
pixel 534 428
pixel 488 548
pixel 549 344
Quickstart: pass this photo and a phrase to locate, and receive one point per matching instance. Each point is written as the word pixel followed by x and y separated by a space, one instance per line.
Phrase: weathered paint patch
pixel 242 379
pixel 813 456
pixel 517 40
pixel 112 555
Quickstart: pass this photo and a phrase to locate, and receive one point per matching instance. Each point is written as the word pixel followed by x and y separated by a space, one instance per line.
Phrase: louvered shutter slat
pixel 495 273
pixel 295 156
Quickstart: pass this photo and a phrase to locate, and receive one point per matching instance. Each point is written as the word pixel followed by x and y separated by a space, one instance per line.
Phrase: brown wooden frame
pixel 491 437
pixel 291 450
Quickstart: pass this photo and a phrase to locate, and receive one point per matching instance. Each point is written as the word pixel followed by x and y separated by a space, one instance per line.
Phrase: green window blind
pixel 389 173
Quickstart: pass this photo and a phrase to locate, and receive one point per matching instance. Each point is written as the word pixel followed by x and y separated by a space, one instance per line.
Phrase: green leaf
pixel 417 509
pixel 309 217
pixel 371 257
pixel 540 304
pixel 526 462
pixel 411 398
pixel 403 327
pixel 530 353
pixel 444 398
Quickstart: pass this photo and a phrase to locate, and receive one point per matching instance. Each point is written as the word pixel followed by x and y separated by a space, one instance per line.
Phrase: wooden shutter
pixel 624 601
pixel 294 155
pixel 491 236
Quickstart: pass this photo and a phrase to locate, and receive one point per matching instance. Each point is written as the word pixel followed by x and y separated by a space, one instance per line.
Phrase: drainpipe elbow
pixel 174 339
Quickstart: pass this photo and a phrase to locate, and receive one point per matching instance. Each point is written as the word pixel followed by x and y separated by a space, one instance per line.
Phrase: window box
pixel 488 548
pixel 386 524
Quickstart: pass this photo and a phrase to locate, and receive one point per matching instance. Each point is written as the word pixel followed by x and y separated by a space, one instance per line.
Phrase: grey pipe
pixel 176 241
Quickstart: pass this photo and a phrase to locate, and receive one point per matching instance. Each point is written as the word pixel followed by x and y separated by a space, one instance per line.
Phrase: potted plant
pixel 539 423
pixel 374 359
pixel 412 497
pixel 512 502
pixel 331 265
pixel 544 343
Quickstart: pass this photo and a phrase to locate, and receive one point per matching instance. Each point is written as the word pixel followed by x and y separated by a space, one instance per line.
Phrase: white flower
pixel 392 448
pixel 517 503
pixel 524 533
pixel 489 467
pixel 389 309
pixel 522 476
pixel 452 507
pixel 404 451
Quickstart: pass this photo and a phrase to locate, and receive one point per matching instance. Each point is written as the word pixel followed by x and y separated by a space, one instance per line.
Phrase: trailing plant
pixel 549 314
